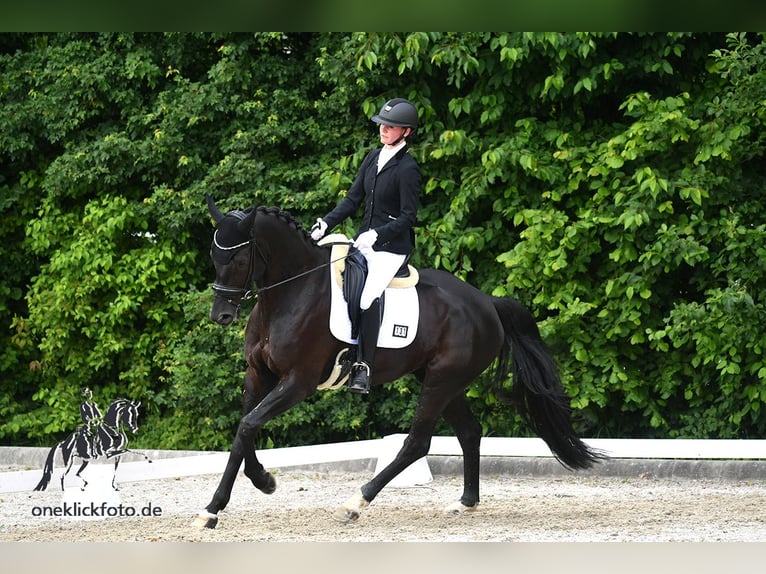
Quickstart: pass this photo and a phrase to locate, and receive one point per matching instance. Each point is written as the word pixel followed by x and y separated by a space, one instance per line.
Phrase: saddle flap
pixel 354 276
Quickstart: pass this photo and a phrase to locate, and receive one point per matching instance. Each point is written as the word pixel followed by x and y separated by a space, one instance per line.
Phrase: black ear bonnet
pixel 229 235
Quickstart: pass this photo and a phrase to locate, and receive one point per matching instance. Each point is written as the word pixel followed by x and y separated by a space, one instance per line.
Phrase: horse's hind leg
pixel 468 431
pixel 114 476
pixel 67 454
pixel 68 460
pixel 416 445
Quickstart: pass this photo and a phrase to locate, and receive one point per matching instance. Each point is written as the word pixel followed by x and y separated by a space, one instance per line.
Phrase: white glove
pixel 366 239
pixel 318 229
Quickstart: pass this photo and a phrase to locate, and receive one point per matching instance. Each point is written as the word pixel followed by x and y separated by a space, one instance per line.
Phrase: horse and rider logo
pixel 98 436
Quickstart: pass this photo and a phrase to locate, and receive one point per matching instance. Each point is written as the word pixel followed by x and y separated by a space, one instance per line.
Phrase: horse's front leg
pixel 281 397
pixel 114 476
pixel 417 444
pixel 254 391
pixel 208 518
pixel 78 475
pixel 261 479
pixel 286 394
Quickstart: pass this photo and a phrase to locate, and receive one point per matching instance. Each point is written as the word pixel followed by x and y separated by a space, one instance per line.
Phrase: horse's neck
pixel 115 414
pixel 289 257
pixel 292 269
pixel 305 291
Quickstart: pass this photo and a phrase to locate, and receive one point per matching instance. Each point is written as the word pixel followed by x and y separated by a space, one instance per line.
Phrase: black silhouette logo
pixel 98 436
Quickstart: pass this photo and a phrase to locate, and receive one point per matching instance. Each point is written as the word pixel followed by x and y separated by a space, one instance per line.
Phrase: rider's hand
pixel 366 239
pixel 318 229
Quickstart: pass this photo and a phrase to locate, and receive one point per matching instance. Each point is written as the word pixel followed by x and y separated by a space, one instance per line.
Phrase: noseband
pixel 245 292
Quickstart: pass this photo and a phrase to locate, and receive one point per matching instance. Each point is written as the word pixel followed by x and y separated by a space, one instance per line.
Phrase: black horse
pixel 98 436
pixel 290 350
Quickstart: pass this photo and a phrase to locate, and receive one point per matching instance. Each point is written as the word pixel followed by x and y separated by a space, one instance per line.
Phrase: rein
pixel 294 277
pixel 248 293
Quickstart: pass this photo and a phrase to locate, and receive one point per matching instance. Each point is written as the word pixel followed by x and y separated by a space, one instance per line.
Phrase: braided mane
pixel 283 215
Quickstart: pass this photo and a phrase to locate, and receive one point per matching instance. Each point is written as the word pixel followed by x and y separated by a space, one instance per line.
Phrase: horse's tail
pixel 537 391
pixel 47 469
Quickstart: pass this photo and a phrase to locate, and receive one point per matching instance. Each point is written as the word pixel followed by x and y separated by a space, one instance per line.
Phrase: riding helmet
pixel 397 112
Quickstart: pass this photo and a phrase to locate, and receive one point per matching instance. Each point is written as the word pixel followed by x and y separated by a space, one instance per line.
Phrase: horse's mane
pixel 284 216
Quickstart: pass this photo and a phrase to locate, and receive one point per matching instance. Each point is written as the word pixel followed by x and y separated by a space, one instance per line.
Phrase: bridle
pixel 245 292
pixel 230 293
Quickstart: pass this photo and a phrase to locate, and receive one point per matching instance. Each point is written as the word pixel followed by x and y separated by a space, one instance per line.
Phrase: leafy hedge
pixel 611 182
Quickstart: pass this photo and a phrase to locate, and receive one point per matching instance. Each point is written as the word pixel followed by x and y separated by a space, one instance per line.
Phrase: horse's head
pixel 232 254
pixel 130 415
pixel 275 256
pixel 123 412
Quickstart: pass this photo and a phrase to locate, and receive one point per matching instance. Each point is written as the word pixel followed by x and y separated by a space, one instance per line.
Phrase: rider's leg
pixel 382 267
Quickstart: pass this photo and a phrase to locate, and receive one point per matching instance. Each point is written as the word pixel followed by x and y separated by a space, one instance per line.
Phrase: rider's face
pixel 390 134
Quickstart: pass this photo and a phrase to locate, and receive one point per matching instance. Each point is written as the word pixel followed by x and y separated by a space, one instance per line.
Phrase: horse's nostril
pixel 223 318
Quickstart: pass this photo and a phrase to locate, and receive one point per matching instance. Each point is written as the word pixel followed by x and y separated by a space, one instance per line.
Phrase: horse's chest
pixel 277 355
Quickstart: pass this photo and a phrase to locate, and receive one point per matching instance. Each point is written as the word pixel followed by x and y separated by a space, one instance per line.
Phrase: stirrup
pixel 360 382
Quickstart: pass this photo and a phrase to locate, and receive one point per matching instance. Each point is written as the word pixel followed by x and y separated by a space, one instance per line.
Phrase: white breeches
pixel 381 269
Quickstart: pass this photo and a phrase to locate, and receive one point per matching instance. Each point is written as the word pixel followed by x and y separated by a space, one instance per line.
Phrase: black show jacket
pixel 390 201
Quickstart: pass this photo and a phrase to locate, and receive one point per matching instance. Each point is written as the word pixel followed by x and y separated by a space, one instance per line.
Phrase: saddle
pixel 350 271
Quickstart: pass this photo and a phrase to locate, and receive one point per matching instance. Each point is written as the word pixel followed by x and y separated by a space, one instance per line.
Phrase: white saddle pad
pixel 401 313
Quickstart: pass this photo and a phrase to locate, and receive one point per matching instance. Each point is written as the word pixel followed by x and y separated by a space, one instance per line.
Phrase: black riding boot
pixel 369 327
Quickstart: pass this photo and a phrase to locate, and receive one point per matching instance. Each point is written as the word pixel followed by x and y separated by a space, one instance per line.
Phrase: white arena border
pixel 384 449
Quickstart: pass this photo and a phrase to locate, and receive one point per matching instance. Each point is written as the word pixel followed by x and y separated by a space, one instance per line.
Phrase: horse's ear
pixel 213 209
pixel 247 223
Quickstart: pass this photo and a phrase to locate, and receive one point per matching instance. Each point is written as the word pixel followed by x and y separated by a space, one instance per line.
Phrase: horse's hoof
pixel 269 482
pixel 351 509
pixel 458 507
pixel 205 520
pixel 344 515
pixel 270 487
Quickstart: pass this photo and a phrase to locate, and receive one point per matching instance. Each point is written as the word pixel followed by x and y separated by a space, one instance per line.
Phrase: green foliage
pixel 612 182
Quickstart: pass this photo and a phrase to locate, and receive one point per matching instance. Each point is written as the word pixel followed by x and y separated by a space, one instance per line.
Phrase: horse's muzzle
pixel 223 312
